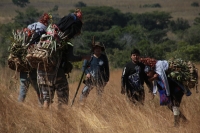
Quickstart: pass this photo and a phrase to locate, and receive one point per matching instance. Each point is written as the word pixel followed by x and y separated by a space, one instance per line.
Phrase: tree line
pixel 120 33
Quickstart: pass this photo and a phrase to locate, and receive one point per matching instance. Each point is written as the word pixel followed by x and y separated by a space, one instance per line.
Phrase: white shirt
pixel 37 26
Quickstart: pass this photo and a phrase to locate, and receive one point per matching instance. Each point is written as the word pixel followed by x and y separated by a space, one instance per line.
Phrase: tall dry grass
pixel 112 114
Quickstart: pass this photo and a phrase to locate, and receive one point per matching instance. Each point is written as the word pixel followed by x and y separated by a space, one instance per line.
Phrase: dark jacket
pixel 70 25
pixel 67 57
pixel 98 68
pixel 131 69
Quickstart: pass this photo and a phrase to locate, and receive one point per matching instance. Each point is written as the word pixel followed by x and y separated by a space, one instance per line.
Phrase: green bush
pixel 80 4
pixel 178 25
pixel 156 5
pixel 195 4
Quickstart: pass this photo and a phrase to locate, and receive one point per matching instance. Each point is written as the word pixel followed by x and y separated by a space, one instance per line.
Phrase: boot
pixel 176 113
pixel 176 120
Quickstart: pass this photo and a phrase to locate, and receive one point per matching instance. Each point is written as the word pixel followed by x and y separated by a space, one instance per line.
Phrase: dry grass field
pixel 112 114
pixel 177 8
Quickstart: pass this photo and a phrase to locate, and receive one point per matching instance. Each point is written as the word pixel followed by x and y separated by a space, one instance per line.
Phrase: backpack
pixel 18 50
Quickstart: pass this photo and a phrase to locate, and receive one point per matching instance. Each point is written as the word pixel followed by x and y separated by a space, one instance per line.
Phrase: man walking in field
pixel 133 78
pixel 55 80
pixel 97 72
pixel 170 91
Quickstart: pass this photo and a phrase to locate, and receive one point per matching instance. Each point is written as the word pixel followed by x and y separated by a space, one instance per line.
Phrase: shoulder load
pixel 45 56
pixel 181 71
pixel 184 72
pixel 151 62
pixel 18 50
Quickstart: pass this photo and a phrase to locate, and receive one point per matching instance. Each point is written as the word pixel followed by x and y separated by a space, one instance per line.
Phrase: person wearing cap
pixel 26 78
pixel 70 25
pixel 133 78
pixel 170 92
pixel 97 72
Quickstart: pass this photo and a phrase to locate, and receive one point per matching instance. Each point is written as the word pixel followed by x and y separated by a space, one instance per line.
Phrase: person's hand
pixel 155 76
pixel 88 75
pixel 123 90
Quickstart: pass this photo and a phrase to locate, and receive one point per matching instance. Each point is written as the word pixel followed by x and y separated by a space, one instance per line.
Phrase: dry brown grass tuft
pixel 112 114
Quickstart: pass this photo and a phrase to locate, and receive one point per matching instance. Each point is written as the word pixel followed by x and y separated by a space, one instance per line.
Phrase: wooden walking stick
pixel 82 74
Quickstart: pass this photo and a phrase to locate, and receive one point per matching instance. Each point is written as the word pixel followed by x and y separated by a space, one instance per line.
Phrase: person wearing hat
pixel 70 25
pixel 133 78
pixel 96 71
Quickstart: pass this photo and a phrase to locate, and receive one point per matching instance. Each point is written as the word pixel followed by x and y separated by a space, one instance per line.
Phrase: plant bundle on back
pixel 179 70
pixel 47 54
pixel 18 50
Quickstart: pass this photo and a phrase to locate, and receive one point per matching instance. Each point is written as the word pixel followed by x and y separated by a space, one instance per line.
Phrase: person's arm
pixel 70 55
pixel 75 29
pixel 149 83
pixel 85 67
pixel 155 77
pixel 123 80
pixel 147 80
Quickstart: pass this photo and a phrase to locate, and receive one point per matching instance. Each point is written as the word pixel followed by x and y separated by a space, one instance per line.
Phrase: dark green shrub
pixel 195 4
pixel 179 24
pixel 80 4
pixel 156 5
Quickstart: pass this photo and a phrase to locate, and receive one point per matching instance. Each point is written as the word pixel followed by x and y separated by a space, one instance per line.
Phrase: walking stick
pixel 82 76
pixel 78 86
pixel 81 80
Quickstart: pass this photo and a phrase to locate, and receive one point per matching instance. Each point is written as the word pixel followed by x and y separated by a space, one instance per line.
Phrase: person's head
pixel 149 71
pixel 98 48
pixel 45 19
pixel 135 55
pixel 78 13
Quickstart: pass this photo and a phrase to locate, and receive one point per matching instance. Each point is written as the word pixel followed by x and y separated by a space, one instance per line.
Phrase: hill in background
pixel 177 8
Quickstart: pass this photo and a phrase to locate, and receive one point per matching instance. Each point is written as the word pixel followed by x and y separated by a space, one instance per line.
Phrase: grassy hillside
pixel 113 114
pixel 178 8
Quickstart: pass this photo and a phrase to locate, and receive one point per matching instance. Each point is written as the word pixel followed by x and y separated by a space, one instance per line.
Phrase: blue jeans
pixel 89 86
pixel 25 80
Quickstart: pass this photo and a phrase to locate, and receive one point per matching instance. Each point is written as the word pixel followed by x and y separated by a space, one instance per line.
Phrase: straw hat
pixel 98 44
